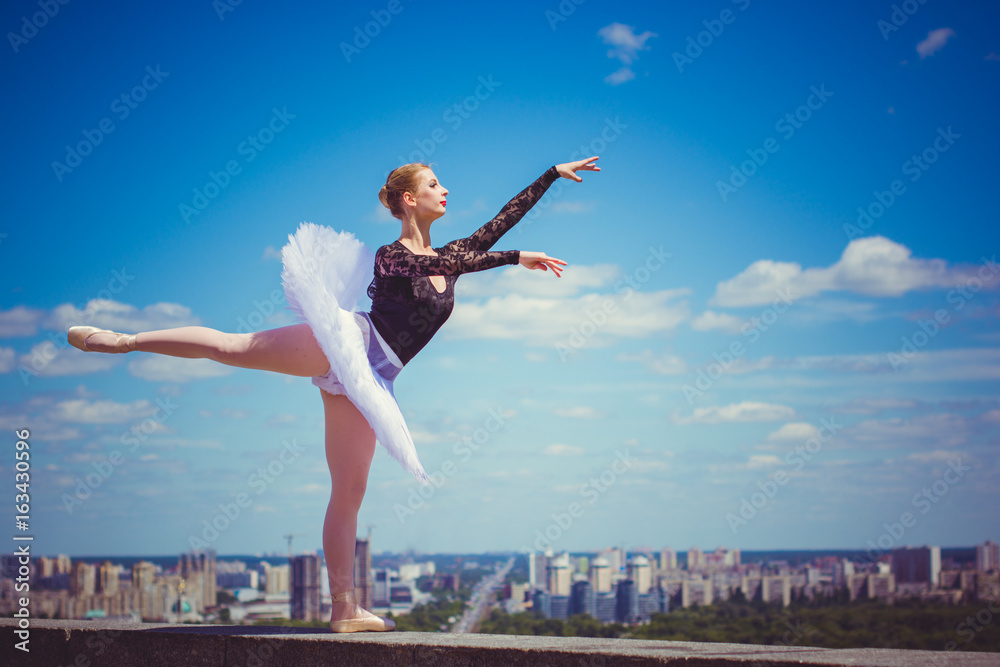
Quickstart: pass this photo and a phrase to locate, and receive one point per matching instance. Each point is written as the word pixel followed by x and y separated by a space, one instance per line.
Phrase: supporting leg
pixel 350 446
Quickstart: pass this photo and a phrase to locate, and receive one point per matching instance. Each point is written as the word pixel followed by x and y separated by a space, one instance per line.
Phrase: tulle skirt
pixel 324 274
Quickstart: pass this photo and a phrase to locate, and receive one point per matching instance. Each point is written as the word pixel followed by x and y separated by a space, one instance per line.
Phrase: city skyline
pixel 777 327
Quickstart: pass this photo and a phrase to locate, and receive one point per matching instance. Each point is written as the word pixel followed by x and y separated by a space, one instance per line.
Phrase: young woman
pixel 354 357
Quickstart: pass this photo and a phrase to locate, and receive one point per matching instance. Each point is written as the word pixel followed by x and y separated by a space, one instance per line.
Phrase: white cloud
pixel 161 368
pixel 711 320
pixel 549 321
pixel 82 411
pixel 793 431
pixel 620 76
pixel 121 317
pixel 625 46
pixel 747 411
pixel 625 43
pixel 20 321
pixel 47 360
pixel 516 280
pixel 936 39
pixel 874 266
pixel 664 364
pixel 8 359
pixel 271 254
pixel 758 461
pixel 563 450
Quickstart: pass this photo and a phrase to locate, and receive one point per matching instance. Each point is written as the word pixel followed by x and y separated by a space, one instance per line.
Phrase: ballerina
pixel 354 357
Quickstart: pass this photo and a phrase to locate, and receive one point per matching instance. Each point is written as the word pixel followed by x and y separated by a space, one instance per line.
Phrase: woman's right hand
pixel 539 260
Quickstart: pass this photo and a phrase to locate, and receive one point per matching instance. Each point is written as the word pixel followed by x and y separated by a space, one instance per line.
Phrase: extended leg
pixel 292 350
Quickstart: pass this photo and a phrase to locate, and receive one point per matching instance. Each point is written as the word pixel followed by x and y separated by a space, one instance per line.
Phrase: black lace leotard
pixel 407 310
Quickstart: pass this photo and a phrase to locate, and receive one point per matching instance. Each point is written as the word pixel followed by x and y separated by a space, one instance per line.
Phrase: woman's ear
pixel 408 199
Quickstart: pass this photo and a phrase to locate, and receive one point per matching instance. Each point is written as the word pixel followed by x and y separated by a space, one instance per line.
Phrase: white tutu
pixel 324 274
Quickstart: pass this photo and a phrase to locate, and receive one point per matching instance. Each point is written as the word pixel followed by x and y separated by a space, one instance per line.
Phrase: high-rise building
pixel 600 575
pixel 668 560
pixel 582 599
pixel 538 569
pixel 917 565
pixel 694 560
pixel 627 608
pixel 306 586
pixel 641 573
pixel 198 569
pixel 988 556
pixel 276 579
pixel 63 564
pixel 559 576
pixel 616 559
pixel 82 580
pixel 143 574
pixel 107 578
pixel 364 586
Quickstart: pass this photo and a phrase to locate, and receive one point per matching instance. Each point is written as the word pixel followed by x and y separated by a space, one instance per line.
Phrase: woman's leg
pixel 292 350
pixel 350 446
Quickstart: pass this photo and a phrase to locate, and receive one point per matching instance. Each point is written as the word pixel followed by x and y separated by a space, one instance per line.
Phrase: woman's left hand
pixel 569 169
pixel 539 260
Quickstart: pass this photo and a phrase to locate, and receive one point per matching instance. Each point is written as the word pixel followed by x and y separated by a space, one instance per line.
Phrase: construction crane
pixel 289 537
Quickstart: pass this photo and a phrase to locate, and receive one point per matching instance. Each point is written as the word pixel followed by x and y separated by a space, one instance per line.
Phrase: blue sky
pixel 734 356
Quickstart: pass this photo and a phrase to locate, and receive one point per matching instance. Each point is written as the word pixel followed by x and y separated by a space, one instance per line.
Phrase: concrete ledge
pixel 97 643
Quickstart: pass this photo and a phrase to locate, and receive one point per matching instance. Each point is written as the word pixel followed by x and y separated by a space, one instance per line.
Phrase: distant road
pixel 481 596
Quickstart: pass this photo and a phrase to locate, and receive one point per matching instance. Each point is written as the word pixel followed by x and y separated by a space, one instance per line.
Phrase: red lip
pixel 444 203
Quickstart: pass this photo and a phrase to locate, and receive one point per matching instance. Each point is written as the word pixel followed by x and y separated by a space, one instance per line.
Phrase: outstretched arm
pixel 396 260
pixel 486 236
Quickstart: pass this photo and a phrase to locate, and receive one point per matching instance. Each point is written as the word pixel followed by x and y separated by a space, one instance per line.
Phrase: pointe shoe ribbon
pixel 364 624
pixel 78 336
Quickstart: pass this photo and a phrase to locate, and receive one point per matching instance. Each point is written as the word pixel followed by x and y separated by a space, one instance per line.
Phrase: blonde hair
pixel 400 180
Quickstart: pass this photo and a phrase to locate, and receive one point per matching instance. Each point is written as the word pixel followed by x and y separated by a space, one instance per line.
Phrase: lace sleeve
pixel 396 260
pixel 509 215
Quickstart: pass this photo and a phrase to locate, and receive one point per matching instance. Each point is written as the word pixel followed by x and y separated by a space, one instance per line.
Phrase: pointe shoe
pixel 78 336
pixel 363 624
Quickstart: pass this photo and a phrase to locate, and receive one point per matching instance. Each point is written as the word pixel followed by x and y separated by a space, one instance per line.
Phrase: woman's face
pixel 431 196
